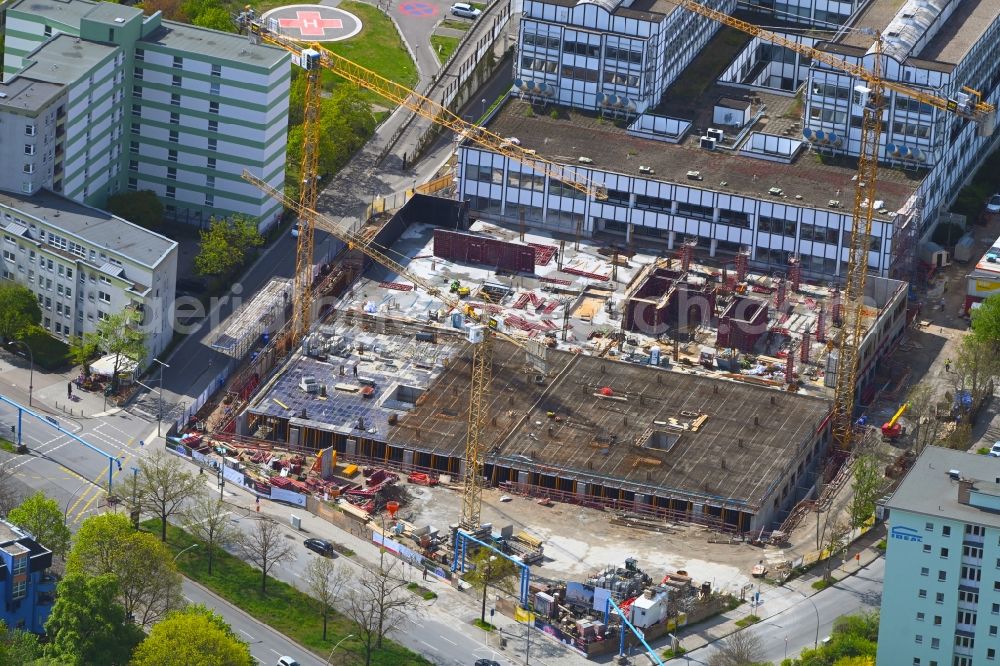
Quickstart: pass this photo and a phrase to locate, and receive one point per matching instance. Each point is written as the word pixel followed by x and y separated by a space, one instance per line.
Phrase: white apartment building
pixel 148 104
pixel 84 264
pixel 941 595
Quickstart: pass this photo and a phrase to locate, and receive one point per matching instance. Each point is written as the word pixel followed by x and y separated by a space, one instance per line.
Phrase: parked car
pixel 993 205
pixel 296 228
pixel 487 662
pixel 994 451
pixel 287 661
pixel 321 546
pixel 465 10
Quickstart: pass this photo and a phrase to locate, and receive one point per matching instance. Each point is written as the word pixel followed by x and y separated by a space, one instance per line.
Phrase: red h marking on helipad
pixel 310 24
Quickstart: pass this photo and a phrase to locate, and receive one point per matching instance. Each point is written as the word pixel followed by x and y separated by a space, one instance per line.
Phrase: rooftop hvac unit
pixel 519 84
pixel 310 58
pixel 646 169
pixel 716 134
pixel 707 142
pixel 808 134
pixel 602 99
pixel 694 175
pixel 892 150
pixel 775 191
pixel 584 160
pixel 905 152
pixel 833 139
pixel 627 103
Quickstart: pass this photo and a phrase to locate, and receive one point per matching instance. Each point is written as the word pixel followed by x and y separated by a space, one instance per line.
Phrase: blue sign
pixel 905 534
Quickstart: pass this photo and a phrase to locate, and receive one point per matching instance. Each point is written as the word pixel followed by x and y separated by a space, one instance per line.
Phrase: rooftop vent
pixel 776 192
pixel 584 160
pixel 694 175
pixel 833 203
pixel 954 474
pixel 646 169
pixel 119 20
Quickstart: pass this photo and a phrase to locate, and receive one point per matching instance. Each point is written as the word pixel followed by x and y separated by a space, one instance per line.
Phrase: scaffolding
pixel 265 313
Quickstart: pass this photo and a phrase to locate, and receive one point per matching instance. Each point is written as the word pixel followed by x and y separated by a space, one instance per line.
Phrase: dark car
pixel 487 662
pixel 320 546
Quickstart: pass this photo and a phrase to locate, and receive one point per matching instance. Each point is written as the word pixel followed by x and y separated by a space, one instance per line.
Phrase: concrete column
pixel 670 240
pixel 407 459
pixel 351 447
pixel 713 244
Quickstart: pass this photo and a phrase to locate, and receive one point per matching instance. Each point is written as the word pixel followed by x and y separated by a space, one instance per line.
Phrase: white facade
pixel 935 48
pixel 607 55
pixel 84 264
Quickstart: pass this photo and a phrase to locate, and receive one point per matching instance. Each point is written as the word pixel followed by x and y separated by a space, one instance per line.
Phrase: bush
pixel 821 584
pixel 747 621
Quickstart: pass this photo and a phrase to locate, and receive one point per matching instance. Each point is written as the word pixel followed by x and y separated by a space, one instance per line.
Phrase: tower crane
pixel 970 106
pixel 481 334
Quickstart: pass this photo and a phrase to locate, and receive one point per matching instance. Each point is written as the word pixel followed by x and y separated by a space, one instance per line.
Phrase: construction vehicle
pixel 480 334
pixel 968 105
pixel 892 428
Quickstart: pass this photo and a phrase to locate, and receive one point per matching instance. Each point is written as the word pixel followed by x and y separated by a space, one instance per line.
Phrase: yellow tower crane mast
pixel 969 106
pixel 481 335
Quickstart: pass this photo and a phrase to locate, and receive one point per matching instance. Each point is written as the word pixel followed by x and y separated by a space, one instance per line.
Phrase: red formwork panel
pixel 472 249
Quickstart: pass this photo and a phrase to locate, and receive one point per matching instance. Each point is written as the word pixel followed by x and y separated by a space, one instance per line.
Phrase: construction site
pixel 675 389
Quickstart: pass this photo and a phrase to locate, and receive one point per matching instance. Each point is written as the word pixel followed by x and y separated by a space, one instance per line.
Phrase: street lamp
pixel 815 610
pixel 483 112
pixel 73 497
pixel 337 646
pixel 31 371
pixel 159 409
pixel 194 545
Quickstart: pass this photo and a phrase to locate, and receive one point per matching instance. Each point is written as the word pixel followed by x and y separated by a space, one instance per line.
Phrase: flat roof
pixel 966 26
pixel 24 94
pixel 65 59
pixel 98 227
pixel 928 489
pixel 718 439
pixel 647 10
pixel 67 12
pixel 576 133
pixel 876 14
pixel 215 44
pixel 107 12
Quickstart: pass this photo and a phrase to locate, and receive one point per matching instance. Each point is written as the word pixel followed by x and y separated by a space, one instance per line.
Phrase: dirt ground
pixel 579 541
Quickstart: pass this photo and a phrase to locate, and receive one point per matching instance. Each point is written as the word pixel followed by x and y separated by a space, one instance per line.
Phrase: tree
pixel 82 350
pixel 835 542
pixel 149 586
pixel 490 569
pixel 43 517
pixel 867 487
pixel 977 365
pixel 171 9
pixel 926 426
pixel 216 18
pixel 324 581
pixel 743 648
pixel 87 624
pixel 207 519
pixel 266 546
pixel 986 320
pixel 195 636
pixel 120 334
pixel 224 245
pixel 143 208
pixel 20 313
pixel 163 485
pixel 378 606
pixel 18 646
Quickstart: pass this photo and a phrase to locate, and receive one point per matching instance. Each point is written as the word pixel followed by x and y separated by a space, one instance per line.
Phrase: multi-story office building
pixel 592 54
pixel 938 47
pixel 120 101
pixel 941 599
pixel 84 264
pixel 27 589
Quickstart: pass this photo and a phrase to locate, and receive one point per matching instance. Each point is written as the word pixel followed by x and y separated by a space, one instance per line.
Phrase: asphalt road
pixel 811 619
pixel 266 644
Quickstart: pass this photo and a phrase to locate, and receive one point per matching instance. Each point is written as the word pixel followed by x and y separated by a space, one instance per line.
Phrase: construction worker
pixel 947 365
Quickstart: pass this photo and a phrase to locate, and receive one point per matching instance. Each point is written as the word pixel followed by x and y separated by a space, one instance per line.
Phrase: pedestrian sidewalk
pixel 48 390
pixel 455 608
pixel 776 599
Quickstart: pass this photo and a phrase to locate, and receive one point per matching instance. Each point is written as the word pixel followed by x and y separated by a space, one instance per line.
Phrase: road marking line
pixel 428 645
pixel 274 651
pixel 247 635
pixel 447 641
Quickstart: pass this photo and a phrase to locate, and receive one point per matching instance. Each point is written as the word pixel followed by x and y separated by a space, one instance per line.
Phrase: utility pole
pixel 159 409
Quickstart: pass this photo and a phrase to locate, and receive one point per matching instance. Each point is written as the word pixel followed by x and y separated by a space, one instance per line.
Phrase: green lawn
pixel 283 607
pixel 377 47
pixel 444 46
pixel 7 445
pixel 47 352
pixel 456 25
